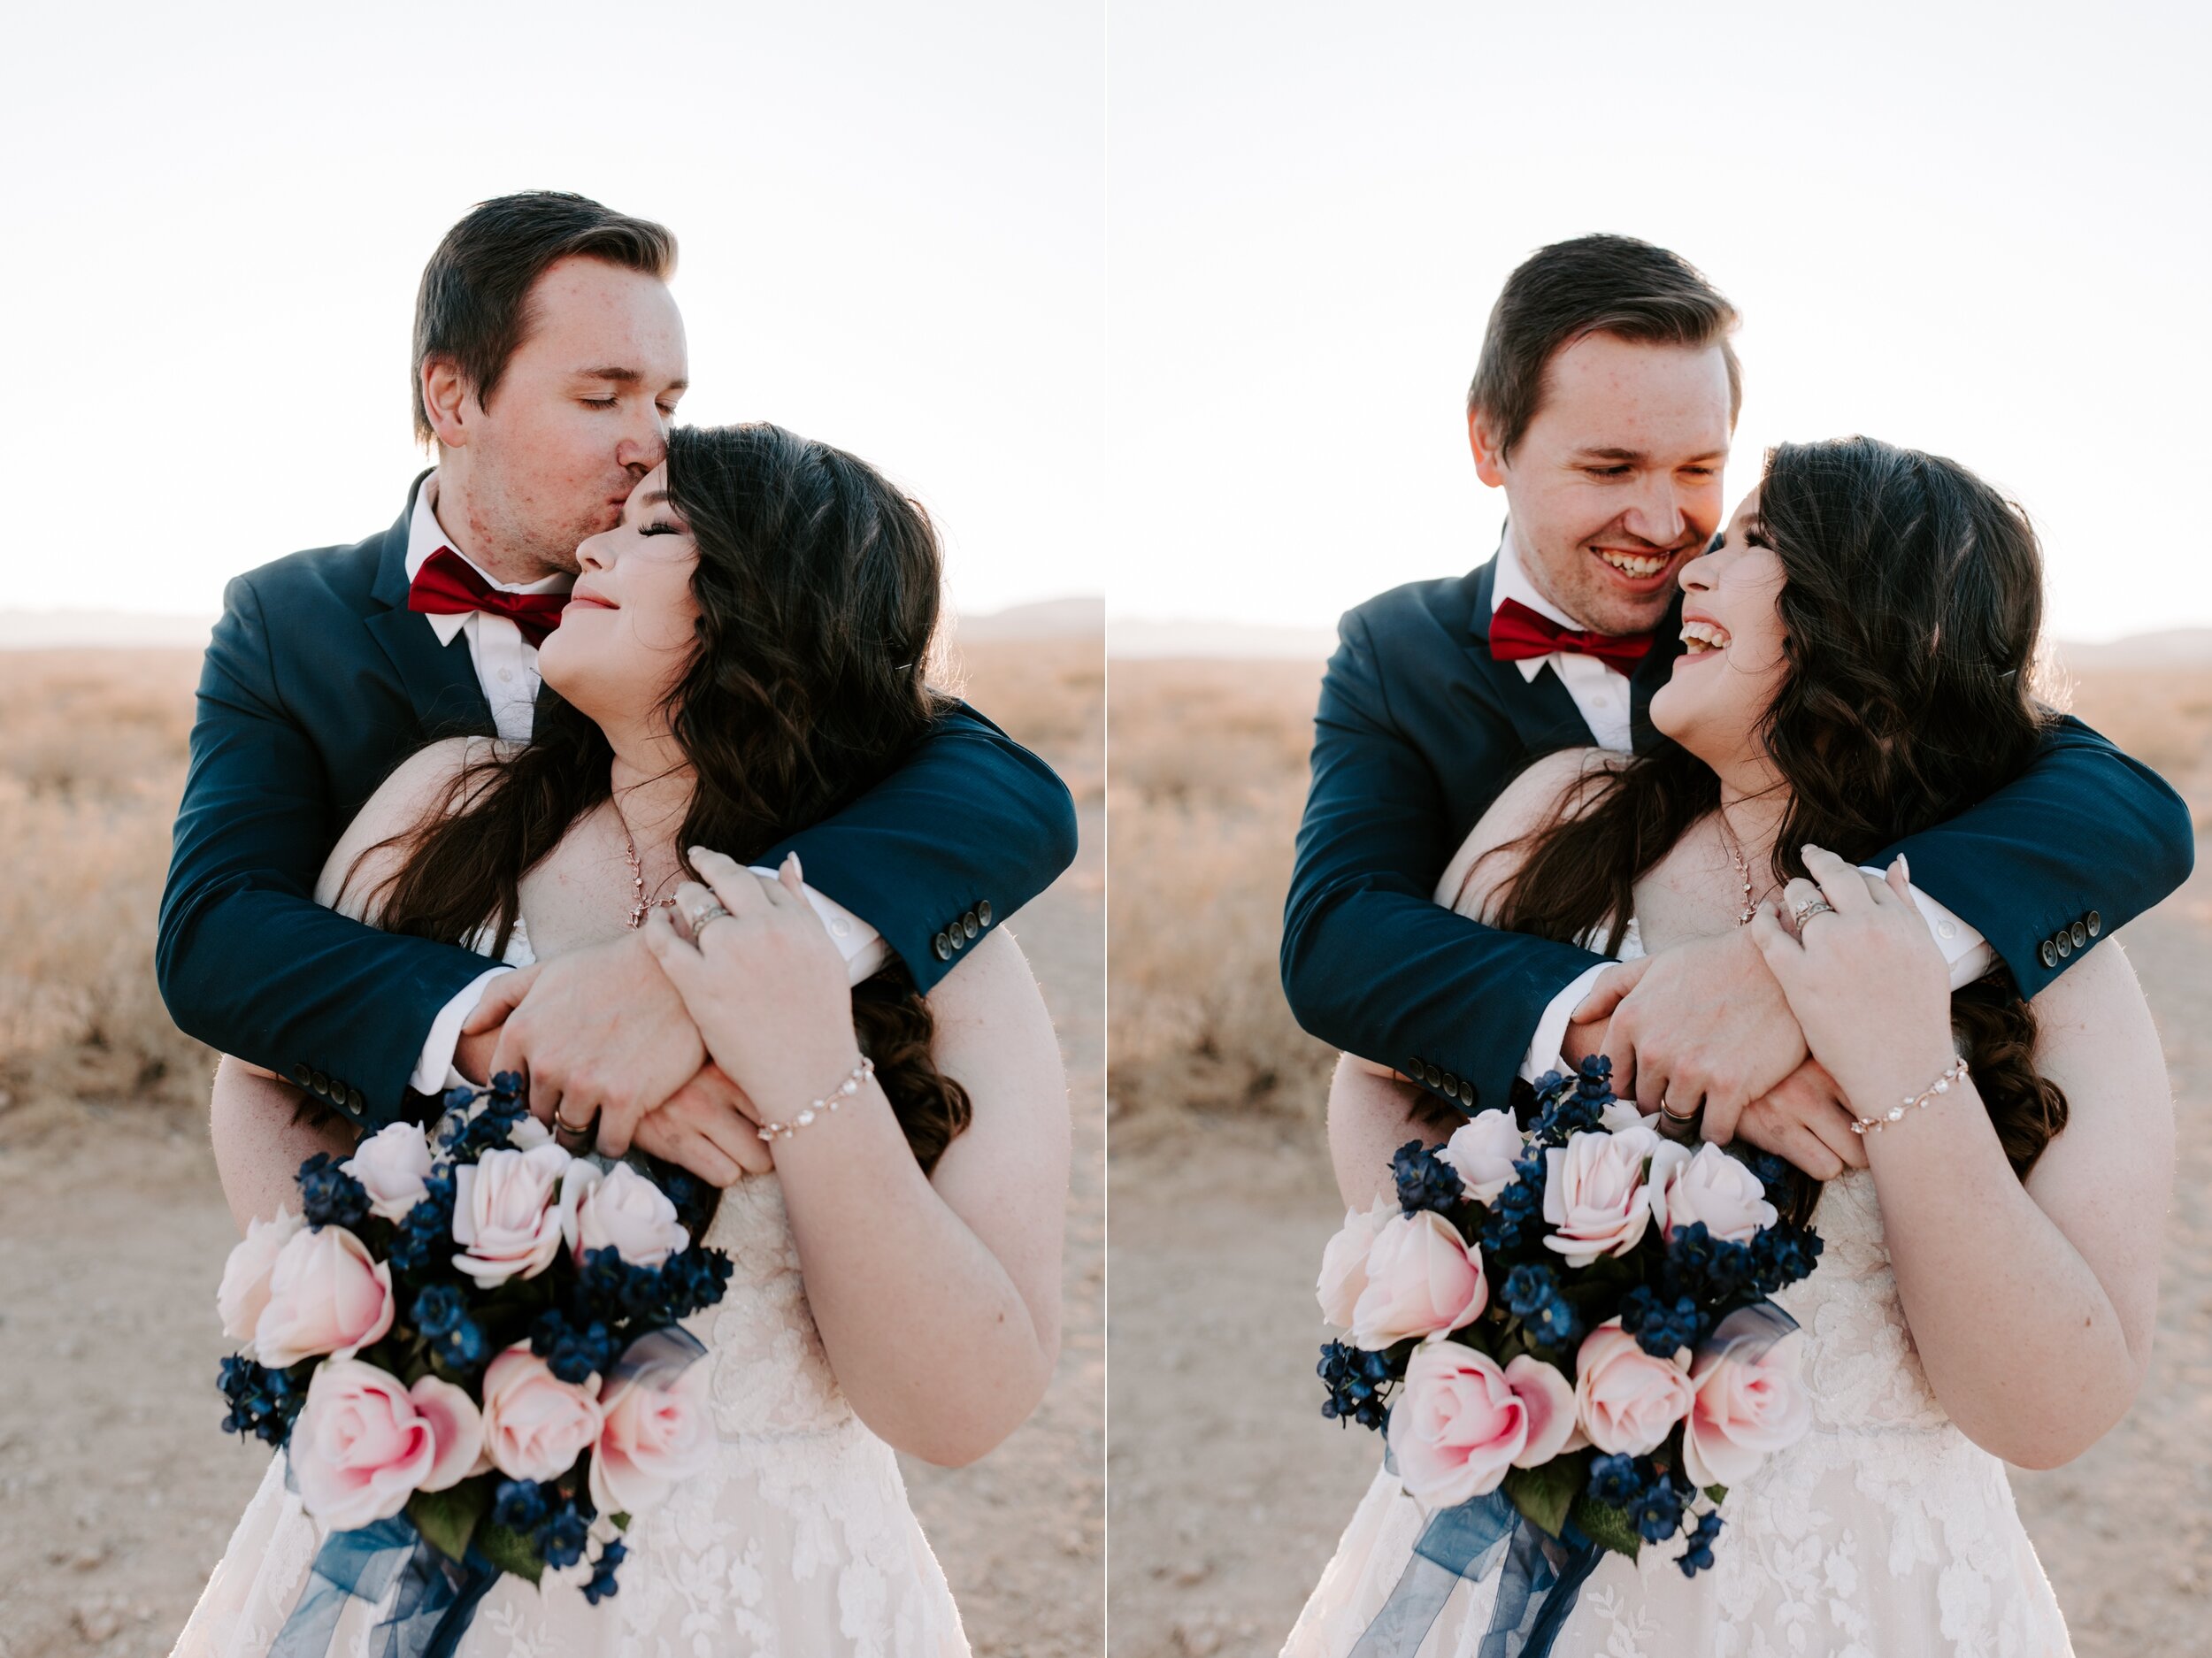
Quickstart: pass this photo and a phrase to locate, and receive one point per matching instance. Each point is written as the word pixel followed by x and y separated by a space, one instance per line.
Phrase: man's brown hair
pixel 1613 285
pixel 473 304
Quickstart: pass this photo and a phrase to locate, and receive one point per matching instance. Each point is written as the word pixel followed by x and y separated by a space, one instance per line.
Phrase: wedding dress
pixel 1885 1532
pixel 797 1541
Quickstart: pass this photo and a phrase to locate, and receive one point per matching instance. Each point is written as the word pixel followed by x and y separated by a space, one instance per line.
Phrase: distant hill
pixel 1143 636
pixel 69 630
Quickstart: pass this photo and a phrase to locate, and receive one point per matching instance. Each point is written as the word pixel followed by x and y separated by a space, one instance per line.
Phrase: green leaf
pixel 1718 1494
pixel 1610 1528
pixel 449 1518
pixel 621 1521
pixel 508 1550
pixel 1545 1494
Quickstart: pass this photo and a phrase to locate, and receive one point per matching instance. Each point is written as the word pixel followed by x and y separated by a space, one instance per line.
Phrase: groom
pixel 548 361
pixel 1603 405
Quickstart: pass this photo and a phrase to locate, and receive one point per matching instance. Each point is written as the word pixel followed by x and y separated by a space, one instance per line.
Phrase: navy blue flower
pixel 1571 1105
pixel 573 1355
pixel 561 1539
pixel 438 1307
pixel 1657 1511
pixel 1355 1378
pixel 1426 1181
pixel 519 1504
pixel 602 1582
pixel 423 1242
pixel 1660 1328
pixel 329 1196
pixel 1699 1556
pixel 1773 1172
pixel 1780 1255
pixel 1533 1293
pixel 458 1098
pixel 1710 1270
pixel 1614 1481
pixel 263 1403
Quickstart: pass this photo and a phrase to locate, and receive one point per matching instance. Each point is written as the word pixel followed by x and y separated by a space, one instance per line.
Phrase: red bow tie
pixel 1517 633
pixel 448 586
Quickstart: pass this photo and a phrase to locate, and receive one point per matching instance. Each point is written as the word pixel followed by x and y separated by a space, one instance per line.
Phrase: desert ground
pixel 116 1493
pixel 1227 1489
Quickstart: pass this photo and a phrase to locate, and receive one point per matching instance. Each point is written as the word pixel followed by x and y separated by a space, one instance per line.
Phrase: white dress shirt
pixel 1601 694
pixel 506 667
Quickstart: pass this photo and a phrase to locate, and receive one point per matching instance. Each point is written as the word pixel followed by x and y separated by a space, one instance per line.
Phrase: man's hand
pixel 1705 1024
pixel 706 1126
pixel 598 1030
pixel 1806 1121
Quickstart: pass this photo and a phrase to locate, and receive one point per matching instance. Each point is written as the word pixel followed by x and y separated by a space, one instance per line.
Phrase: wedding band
pixel 567 1127
pixel 1811 907
pixel 703 915
pixel 1673 1127
pixel 1679 1117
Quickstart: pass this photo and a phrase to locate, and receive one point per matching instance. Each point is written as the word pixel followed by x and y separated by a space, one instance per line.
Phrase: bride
pixel 743 653
pixel 1860 641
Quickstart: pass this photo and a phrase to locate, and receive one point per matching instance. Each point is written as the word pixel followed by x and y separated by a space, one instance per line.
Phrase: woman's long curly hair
pixel 1913 597
pixel 818 586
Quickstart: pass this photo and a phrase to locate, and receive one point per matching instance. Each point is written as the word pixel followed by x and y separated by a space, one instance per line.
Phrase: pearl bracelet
pixel 1866 1125
pixel 844 1090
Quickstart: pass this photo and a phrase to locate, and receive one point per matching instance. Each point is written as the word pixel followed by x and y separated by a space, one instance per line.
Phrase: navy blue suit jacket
pixel 319 680
pixel 1418 730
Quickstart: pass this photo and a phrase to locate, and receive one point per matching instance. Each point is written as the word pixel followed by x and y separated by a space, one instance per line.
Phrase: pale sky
pixel 1983 230
pixel 891 226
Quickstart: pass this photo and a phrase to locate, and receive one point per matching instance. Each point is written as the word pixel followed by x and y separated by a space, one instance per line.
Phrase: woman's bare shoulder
pixel 420 787
pixel 1544 788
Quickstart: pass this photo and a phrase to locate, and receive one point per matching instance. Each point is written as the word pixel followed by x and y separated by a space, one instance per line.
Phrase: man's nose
pixel 1656 515
pixel 645 445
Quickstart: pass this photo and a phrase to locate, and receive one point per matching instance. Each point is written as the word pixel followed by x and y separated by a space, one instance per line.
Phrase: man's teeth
pixel 1701 636
pixel 1637 564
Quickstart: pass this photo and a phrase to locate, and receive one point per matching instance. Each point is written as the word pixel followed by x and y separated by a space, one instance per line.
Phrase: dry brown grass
pixel 1209 775
pixel 92 758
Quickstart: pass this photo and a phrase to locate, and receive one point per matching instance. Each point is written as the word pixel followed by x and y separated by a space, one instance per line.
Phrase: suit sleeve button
pixel 2049 953
pixel 320 1083
pixel 355 1103
pixel 2065 943
pixel 2080 935
pixel 983 912
pixel 2096 924
pixel 969 926
pixel 941 948
pixel 1451 1083
pixel 1467 1093
pixel 302 1075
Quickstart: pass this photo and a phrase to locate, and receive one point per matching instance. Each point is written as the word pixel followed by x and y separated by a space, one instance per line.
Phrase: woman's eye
pixel 659 527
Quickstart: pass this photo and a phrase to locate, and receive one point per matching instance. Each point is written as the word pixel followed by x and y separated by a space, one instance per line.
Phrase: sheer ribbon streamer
pixel 1541 1576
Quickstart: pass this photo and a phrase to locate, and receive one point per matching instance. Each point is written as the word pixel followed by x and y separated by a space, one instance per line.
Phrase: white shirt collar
pixel 426 537
pixel 1509 580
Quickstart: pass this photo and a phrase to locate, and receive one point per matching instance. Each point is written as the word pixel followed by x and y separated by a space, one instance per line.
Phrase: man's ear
pixel 1489 464
pixel 447 398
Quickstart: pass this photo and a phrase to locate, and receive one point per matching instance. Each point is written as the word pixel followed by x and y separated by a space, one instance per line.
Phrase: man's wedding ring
pixel 1811 907
pixel 567 1127
pixel 703 915
pixel 1677 1124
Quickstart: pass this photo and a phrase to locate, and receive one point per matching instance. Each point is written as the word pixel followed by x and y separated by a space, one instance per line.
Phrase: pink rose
pixel 535 1424
pixel 1422 1278
pixel 1625 1400
pixel 1460 1422
pixel 1713 1188
pixel 244 1291
pixel 360 1448
pixel 1482 1151
pixel 1596 1198
pixel 326 1295
pixel 618 1208
pixel 1742 1411
pixel 392 1166
pixel 1344 1262
pixel 503 1214
pixel 653 1437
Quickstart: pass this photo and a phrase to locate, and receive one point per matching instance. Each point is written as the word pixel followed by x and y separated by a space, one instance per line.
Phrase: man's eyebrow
pixel 627 377
pixel 1638 455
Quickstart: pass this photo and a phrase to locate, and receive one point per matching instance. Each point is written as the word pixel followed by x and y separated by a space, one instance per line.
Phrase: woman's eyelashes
pixel 660 527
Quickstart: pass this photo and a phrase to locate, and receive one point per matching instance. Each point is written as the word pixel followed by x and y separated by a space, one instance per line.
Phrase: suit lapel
pixel 1543 713
pixel 441 680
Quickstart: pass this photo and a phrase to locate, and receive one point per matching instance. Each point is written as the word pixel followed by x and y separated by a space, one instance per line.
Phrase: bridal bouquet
pixel 465 1343
pixel 1567 1326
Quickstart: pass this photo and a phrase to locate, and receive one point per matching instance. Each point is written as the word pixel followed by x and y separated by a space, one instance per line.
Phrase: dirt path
pixel 117 1493
pixel 1227 1489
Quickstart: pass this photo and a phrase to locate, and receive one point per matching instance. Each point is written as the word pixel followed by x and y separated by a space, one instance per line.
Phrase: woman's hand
pixel 766 966
pixel 709 1127
pixel 1864 978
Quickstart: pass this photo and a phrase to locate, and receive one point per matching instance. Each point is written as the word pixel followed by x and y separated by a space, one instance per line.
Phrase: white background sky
pixel 1979 230
pixel 890 218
